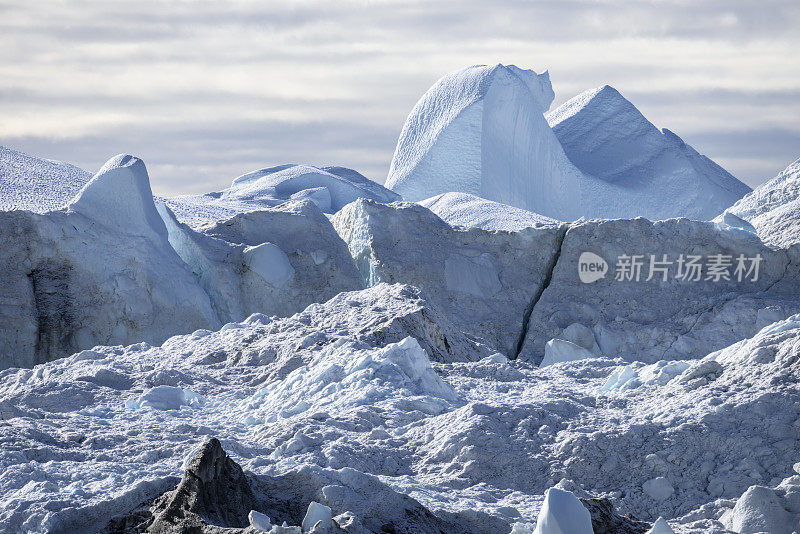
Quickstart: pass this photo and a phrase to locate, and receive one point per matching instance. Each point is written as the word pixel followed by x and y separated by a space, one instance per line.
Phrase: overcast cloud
pixel 205 91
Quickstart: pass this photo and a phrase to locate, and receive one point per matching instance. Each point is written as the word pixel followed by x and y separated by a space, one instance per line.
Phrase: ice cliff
pixel 100 272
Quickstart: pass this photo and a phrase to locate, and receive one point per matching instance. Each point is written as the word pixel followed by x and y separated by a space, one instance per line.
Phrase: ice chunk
pixel 563 513
pixel 658 488
pixel 259 521
pixel 728 221
pixel 329 188
pixel 620 379
pixel 660 527
pixel 481 131
pixel 759 510
pixel 606 137
pixel 269 262
pixel 166 398
pixel 559 351
pixel 318 518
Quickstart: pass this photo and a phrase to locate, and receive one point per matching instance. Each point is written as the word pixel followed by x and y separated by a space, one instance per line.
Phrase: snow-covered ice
pixel 560 351
pixel 482 131
pixel 329 188
pixel 36 184
pixel 605 136
pixel 774 208
pixel 462 209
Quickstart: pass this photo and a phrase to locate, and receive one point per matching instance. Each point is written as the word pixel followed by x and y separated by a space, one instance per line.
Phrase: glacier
pixel 322 415
pixel 482 131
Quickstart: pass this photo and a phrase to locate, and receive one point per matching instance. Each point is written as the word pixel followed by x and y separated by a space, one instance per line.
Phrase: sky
pixel 206 91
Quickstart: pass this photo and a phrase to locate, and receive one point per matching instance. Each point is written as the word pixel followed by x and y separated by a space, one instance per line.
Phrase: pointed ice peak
pixel 119 196
pixel 600 102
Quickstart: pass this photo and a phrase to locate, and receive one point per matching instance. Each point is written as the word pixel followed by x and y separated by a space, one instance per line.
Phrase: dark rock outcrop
pixel 214 491
pixel 606 521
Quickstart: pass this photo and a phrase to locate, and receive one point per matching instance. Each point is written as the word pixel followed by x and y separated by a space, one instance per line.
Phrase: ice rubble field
pixel 398 405
pixel 93 435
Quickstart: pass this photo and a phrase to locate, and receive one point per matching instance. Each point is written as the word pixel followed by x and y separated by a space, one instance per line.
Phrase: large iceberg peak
pixel 119 196
pixel 538 84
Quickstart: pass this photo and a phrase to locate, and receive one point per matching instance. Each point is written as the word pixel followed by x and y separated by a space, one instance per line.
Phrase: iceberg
pixel 101 271
pixel 330 188
pixel 605 136
pixel 482 131
pixel 773 208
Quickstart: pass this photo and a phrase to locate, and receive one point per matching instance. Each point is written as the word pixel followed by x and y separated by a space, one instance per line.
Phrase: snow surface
pixel 605 136
pixel 774 208
pixel 482 131
pixel 462 209
pixel 314 400
pixel 36 184
pixel 329 188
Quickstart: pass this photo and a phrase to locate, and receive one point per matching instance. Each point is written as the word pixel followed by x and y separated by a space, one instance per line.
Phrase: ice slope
pixel 481 131
pixel 462 209
pixel 605 136
pixel 99 272
pixel 656 319
pixel 774 209
pixel 276 261
pixel 326 407
pixel 36 184
pixel 483 280
pixel 329 188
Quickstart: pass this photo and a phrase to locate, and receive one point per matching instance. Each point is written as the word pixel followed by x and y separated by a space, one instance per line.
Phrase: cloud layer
pixel 205 91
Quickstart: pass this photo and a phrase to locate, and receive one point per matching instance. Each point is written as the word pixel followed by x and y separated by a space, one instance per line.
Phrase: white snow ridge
pixel 306 353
